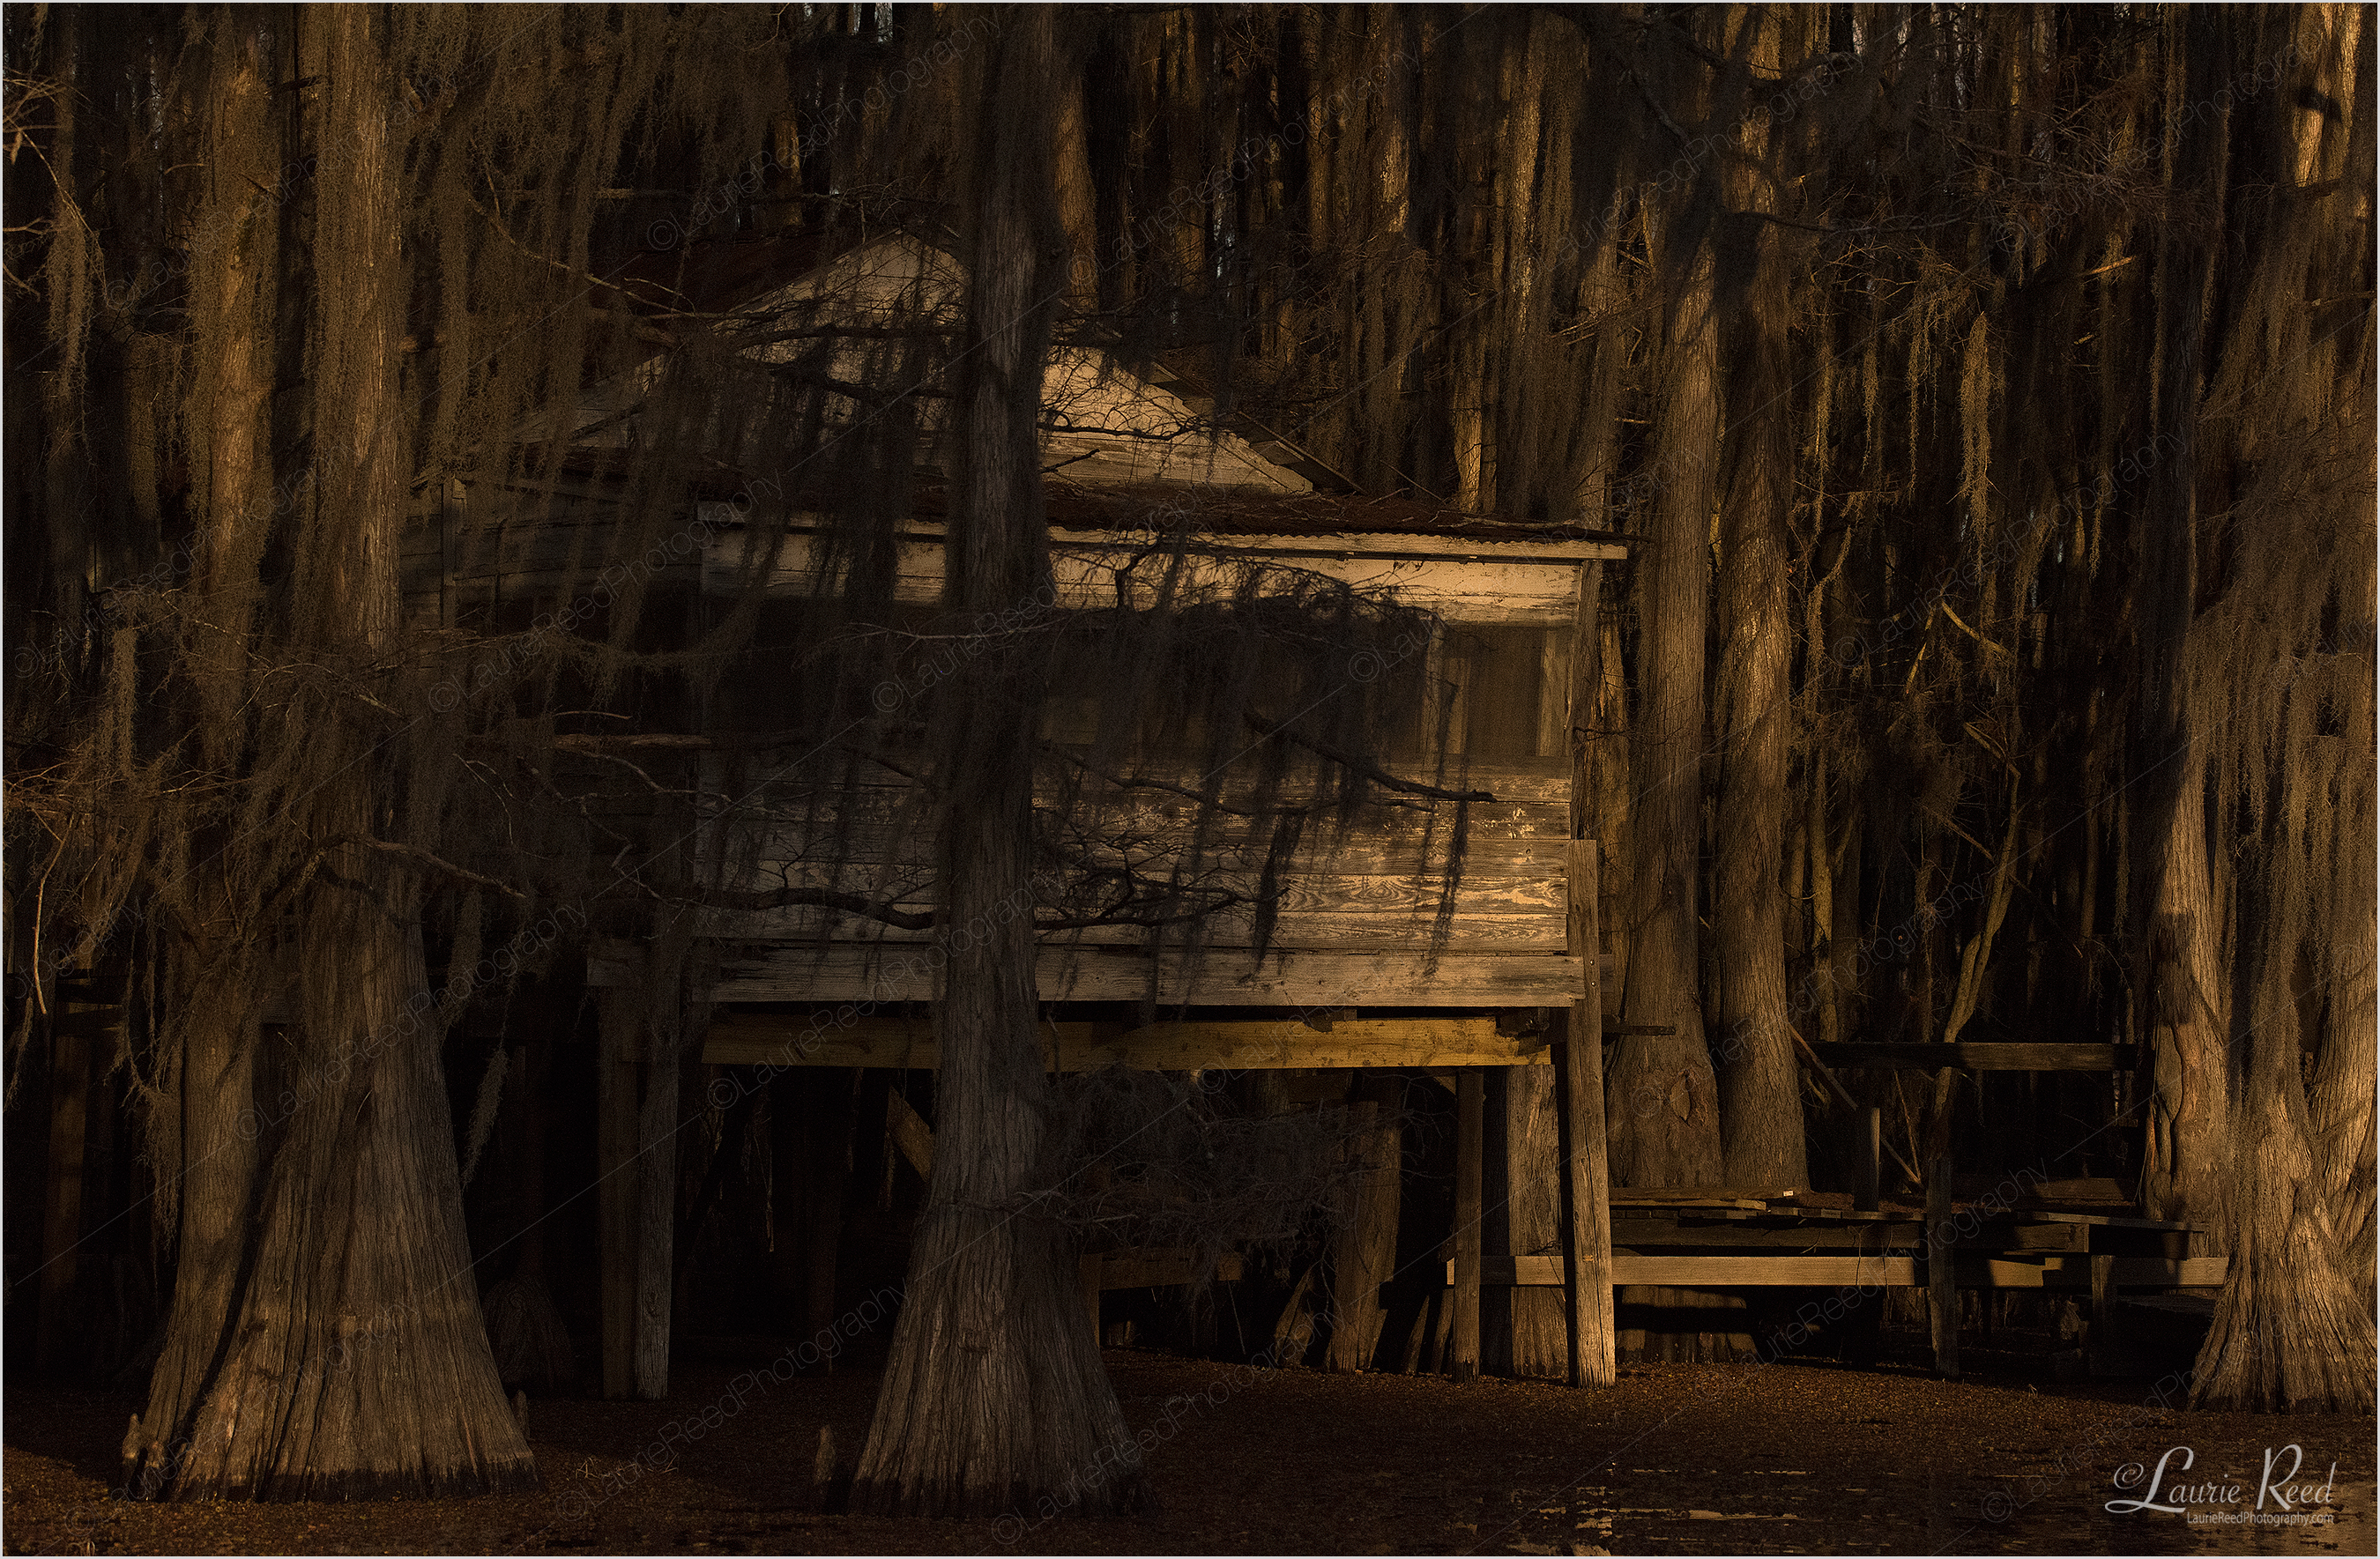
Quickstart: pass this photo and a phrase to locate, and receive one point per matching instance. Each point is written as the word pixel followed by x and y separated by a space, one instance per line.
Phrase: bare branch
pixel 1371 771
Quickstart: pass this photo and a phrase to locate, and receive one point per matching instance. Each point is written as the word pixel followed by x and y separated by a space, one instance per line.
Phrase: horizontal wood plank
pixel 785 823
pixel 721 521
pixel 1764 1272
pixel 814 1040
pixel 1636 1231
pixel 1488 583
pixel 1298 893
pixel 895 973
pixel 1359 854
pixel 1726 1196
pixel 1295 932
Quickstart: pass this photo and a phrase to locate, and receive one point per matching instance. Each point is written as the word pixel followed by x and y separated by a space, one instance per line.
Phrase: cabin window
pixel 1505 691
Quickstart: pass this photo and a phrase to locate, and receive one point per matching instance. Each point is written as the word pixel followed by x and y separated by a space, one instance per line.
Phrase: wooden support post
pixel 639 1021
pixel 2103 1312
pixel 1470 1149
pixel 1365 1254
pixel 656 1175
pixel 1594 1340
pixel 619 1191
pixel 907 1131
pixel 62 1207
pixel 1087 1270
pixel 789 1187
pixel 1871 1161
pixel 1941 1275
pixel 830 1117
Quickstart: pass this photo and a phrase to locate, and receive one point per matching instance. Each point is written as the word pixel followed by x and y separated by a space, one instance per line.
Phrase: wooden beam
pixel 637 1096
pixel 1460 579
pixel 894 972
pixel 1697 1196
pixel 636 1133
pixel 1641 1233
pixel 910 1135
pixel 875 856
pixel 657 1138
pixel 1980 1055
pixel 2103 1312
pixel 1942 1278
pixel 1586 1154
pixel 789 1191
pixel 619 1050
pixel 1766 1272
pixel 829 1117
pixel 1470 1162
pixel 1505 926
pixel 795 1040
pixel 1714 1271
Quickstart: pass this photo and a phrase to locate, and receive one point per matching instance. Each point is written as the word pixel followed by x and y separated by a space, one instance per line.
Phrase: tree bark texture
pixel 1760 1082
pixel 351 1360
pixel 994 1396
pixel 2293 1328
pixel 207 1189
pixel 1660 1097
pixel 2189 1129
pixel 2291 1331
pixel 2189 1006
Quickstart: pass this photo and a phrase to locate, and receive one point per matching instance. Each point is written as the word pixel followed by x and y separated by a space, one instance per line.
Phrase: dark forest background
pixel 1986 391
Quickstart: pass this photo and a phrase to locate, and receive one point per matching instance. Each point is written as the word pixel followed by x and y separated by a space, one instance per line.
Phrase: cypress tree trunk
pixel 2189 1011
pixel 2340 1094
pixel 2189 1000
pixel 210 1182
pixel 1661 1100
pixel 2291 1331
pixel 1760 1081
pixel 994 1396
pixel 352 1361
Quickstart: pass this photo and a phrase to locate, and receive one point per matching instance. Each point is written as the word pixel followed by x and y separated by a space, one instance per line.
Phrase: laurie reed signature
pixel 2282 1497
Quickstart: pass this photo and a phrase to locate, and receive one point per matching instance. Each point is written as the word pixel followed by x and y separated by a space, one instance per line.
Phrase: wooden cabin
pixel 1364 964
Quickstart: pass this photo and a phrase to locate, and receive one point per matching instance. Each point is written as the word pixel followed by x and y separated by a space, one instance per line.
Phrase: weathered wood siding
pixel 1362 917
pixel 1520 584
